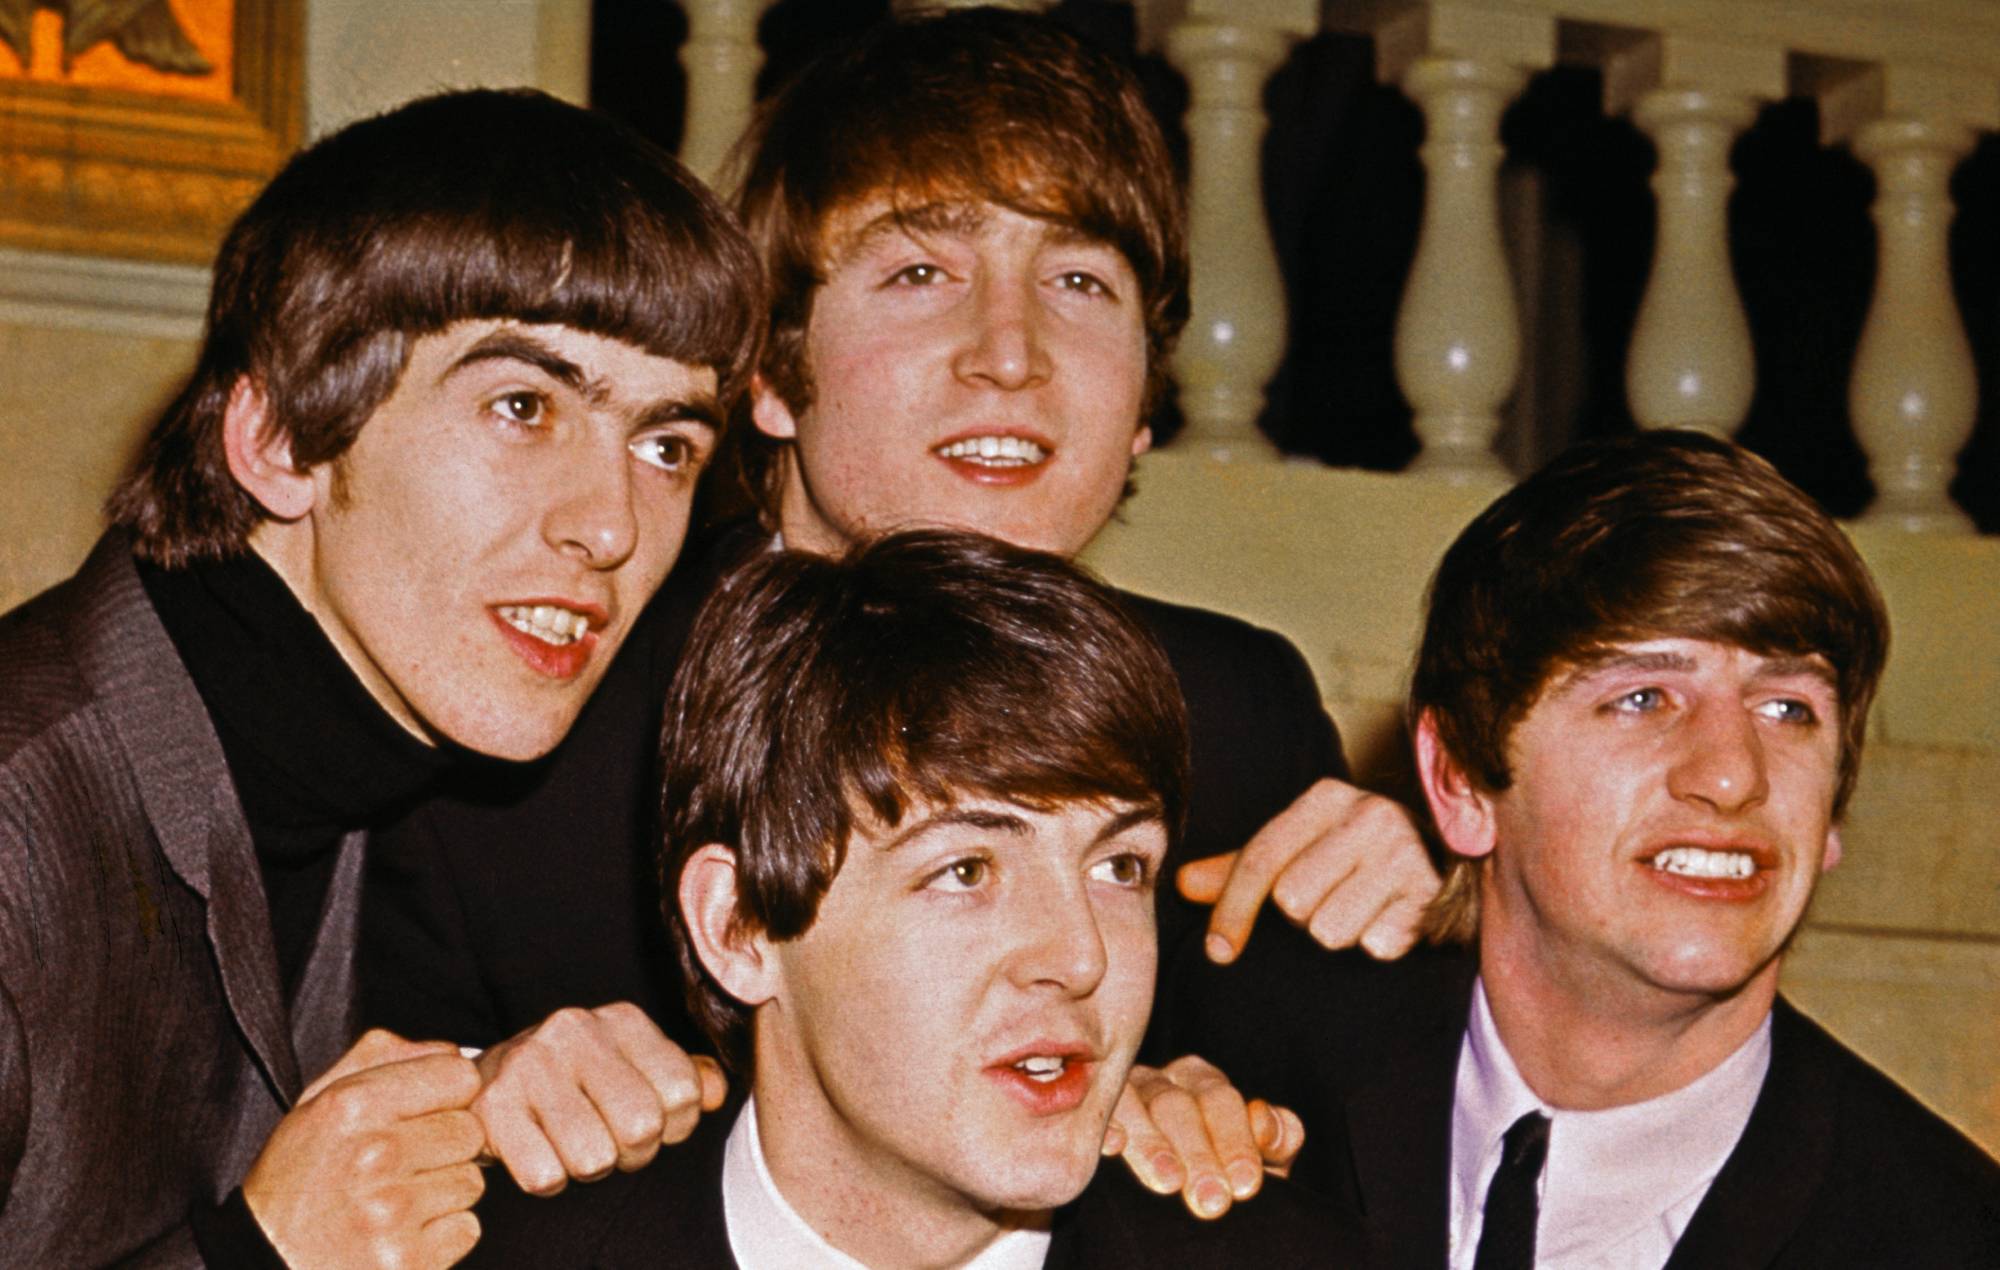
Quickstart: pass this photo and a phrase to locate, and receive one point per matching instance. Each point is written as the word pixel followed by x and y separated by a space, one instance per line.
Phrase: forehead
pixel 599 366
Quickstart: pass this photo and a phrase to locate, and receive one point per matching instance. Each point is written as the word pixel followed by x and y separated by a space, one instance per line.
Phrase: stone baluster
pixel 1691 364
pixel 1915 392
pixel 1235 337
pixel 1458 336
pixel 721 57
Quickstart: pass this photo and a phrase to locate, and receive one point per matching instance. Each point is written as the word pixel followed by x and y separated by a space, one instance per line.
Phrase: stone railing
pixel 1902 953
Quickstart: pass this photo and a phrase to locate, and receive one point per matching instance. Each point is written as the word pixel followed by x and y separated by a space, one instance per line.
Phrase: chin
pixel 1036 1181
pixel 516 738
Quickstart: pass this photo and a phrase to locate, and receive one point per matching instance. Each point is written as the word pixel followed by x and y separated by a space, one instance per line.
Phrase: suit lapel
pixel 1399 1134
pixel 125 655
pixel 1760 1198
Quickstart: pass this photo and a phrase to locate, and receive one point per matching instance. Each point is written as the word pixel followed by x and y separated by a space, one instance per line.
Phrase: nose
pixel 1060 943
pixel 591 516
pixel 1004 346
pixel 1721 760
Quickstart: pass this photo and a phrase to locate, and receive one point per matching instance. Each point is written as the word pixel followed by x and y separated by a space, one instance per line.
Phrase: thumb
pixel 1202 881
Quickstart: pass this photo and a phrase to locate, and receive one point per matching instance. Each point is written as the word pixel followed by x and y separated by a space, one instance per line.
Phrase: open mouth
pixel 1706 864
pixel 994 452
pixel 1043 1069
pixel 559 627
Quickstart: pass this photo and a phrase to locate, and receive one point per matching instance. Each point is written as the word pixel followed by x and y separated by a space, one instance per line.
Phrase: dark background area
pixel 1344 190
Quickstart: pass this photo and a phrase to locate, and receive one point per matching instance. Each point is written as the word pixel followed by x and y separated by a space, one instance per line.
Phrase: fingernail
pixel 1211 1197
pixel 1244 1178
pixel 1220 949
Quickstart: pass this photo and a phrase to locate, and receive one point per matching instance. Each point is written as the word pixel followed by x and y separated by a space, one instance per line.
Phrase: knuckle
pixel 375 1155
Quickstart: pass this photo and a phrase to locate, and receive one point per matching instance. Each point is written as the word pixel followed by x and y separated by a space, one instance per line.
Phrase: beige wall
pixel 1901 955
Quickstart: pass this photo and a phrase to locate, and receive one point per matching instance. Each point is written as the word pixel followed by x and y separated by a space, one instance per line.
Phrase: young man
pixel 916 801
pixel 1638 707
pixel 463 363
pixel 977 252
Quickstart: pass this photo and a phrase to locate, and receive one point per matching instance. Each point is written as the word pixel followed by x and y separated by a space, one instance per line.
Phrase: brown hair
pixel 982 105
pixel 925 666
pixel 464 205
pixel 1648 535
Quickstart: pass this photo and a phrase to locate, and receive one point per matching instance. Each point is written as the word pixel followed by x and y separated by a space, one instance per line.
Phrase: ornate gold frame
pixel 115 172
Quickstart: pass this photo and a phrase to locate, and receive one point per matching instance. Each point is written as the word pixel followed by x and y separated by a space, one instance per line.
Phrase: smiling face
pixel 481 551
pixel 972 368
pixel 1670 813
pixel 951 1034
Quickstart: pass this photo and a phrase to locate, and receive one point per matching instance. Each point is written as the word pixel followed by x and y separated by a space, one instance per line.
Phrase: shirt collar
pixel 1638 1170
pixel 767 1233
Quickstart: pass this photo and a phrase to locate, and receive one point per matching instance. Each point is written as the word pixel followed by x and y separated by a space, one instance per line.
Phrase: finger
pixel 440 1140
pixel 1349 907
pixel 441 1192
pixel 446 1240
pixel 1114 1140
pixel 1178 1117
pixel 515 1139
pixel 1394 930
pixel 1280 1135
pixel 404 1090
pixel 1202 880
pixel 714 1083
pixel 671 1102
pixel 1268 853
pixel 1226 1121
pixel 629 1104
pixel 376 1047
pixel 1146 1150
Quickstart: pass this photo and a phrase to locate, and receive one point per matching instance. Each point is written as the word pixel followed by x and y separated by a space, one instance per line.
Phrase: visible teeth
pixel 1698 862
pixel 545 622
pixel 1042 1067
pixel 995 451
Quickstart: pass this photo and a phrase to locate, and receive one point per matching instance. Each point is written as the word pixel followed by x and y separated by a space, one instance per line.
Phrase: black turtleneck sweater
pixel 313 758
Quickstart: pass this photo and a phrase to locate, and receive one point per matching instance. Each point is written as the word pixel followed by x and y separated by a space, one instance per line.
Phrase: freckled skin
pixel 485 481
pixel 995 323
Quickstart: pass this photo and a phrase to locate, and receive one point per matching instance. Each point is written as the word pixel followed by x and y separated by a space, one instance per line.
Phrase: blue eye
pixel 1641 701
pixel 1789 710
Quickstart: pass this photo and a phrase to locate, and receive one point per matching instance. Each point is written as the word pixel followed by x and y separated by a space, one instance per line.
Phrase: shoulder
pixel 1199 634
pixel 1118 1222
pixel 1897 1173
pixel 664 1216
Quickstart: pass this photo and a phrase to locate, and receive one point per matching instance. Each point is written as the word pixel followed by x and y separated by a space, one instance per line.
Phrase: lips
pixel 1046 1078
pixel 1001 456
pixel 554 637
pixel 1712 870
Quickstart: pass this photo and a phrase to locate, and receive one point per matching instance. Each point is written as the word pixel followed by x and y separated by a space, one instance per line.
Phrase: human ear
pixel 1142 440
pixel 1832 855
pixel 1464 813
pixel 738 959
pixel 260 456
pixel 769 411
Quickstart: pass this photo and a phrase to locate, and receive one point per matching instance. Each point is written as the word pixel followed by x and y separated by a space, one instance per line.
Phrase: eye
pixel 1127 869
pixel 918 275
pixel 1084 282
pixel 966 874
pixel 524 408
pixel 1640 701
pixel 668 451
pixel 1789 710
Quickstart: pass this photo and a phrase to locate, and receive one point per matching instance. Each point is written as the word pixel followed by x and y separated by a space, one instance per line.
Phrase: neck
pixel 799 519
pixel 856 1193
pixel 1585 1042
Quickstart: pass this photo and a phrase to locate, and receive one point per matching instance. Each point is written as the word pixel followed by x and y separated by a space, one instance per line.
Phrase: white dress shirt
pixel 1621 1184
pixel 767 1233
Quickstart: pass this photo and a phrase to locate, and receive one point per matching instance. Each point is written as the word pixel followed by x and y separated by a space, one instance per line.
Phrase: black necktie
pixel 1507 1237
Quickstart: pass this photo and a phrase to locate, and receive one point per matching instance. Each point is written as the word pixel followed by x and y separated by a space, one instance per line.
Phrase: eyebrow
pixel 518 346
pixel 1615 660
pixel 958 219
pixel 974 817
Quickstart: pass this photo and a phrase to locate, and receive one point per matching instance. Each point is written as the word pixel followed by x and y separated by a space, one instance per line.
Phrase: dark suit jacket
pixel 526 890
pixel 668 1216
pixel 144 1048
pixel 1837 1167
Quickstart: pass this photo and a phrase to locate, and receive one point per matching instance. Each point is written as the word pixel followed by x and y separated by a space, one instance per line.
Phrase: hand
pixel 587 1091
pixel 1346 864
pixel 1185 1128
pixel 374 1166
